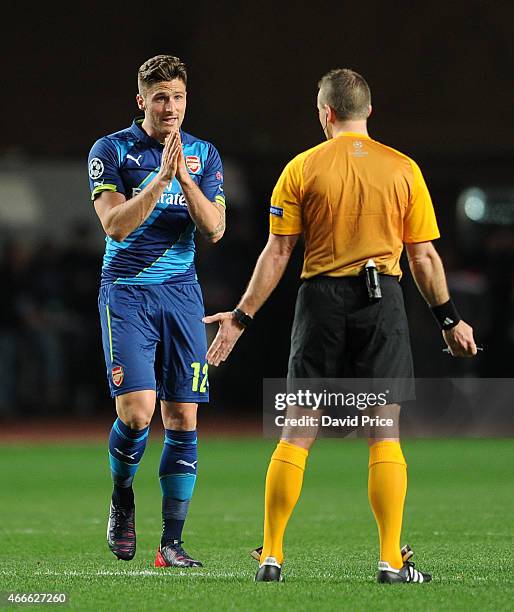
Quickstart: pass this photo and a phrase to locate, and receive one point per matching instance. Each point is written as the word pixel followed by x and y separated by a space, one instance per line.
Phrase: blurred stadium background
pixel 441 93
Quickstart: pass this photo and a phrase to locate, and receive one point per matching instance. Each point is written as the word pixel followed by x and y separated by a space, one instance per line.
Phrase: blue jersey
pixel 162 249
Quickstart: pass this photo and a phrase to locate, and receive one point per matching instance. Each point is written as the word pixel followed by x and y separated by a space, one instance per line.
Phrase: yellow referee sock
pixel 387 486
pixel 283 486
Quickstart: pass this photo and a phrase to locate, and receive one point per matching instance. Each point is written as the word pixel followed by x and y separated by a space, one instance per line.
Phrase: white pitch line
pixel 162 574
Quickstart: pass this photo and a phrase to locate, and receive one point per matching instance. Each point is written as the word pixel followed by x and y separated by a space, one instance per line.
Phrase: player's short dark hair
pixel 160 68
pixel 347 93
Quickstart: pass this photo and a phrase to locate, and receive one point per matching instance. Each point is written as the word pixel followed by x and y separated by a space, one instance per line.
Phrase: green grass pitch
pixel 459 520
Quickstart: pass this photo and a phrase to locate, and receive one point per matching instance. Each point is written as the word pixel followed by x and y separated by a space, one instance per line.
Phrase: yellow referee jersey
pixel 353 199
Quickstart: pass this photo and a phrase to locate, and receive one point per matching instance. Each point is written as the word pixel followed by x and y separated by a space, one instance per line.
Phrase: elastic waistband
pixel 349 279
pixel 151 285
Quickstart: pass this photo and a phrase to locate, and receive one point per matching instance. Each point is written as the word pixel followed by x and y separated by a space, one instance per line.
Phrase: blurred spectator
pixel 87 388
pixel 31 323
pixel 15 308
pixel 498 268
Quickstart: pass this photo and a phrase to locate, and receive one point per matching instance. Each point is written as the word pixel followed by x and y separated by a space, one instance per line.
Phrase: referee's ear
pixel 331 114
pixel 370 110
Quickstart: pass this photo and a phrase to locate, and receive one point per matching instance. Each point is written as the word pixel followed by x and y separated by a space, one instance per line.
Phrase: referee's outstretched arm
pixel 428 272
pixel 268 271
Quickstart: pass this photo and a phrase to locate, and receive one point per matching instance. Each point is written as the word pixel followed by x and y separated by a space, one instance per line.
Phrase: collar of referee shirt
pixel 353 134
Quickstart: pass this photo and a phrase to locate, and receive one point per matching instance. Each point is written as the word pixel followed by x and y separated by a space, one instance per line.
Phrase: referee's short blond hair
pixel 347 93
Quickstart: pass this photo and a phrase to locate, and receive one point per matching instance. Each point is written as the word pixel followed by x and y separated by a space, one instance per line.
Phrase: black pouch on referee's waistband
pixel 372 281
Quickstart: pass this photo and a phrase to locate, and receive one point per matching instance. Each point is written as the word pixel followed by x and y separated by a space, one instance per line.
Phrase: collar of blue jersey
pixel 142 136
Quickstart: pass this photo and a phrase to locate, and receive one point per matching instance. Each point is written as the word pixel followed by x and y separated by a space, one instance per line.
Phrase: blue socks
pixel 177 474
pixel 126 448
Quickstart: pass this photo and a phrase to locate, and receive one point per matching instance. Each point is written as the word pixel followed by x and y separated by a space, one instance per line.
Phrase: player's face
pixel 164 105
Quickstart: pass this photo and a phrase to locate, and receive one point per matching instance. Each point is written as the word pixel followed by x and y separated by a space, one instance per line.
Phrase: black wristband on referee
pixel 446 315
pixel 242 318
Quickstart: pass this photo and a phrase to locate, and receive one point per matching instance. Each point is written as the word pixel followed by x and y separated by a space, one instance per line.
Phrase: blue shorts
pixel 154 338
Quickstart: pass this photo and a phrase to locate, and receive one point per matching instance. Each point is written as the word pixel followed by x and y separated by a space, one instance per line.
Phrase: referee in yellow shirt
pixel 354 200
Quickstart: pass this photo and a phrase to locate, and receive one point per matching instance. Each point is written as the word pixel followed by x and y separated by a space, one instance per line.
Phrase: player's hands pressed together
pixel 460 340
pixel 182 173
pixel 170 157
pixel 208 216
pixel 228 334
pixel 177 150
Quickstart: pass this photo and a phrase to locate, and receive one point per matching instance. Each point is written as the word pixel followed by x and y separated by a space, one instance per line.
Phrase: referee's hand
pixel 460 341
pixel 226 338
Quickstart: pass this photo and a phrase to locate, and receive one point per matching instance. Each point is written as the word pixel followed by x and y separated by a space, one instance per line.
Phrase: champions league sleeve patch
pixel 275 210
pixel 96 168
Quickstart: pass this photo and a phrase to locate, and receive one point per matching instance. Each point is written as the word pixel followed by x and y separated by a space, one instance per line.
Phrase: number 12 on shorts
pixel 197 368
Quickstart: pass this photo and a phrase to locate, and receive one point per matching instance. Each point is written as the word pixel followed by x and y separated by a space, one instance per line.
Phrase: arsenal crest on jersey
pixel 193 163
pixel 117 375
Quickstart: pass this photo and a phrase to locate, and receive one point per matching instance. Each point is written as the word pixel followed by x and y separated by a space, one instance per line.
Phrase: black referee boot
pixel 269 571
pixel 407 573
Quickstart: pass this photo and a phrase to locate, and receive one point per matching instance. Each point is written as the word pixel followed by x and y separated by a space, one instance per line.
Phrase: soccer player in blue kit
pixel 153 186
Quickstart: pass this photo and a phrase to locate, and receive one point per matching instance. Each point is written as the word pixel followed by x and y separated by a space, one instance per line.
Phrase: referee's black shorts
pixel 338 333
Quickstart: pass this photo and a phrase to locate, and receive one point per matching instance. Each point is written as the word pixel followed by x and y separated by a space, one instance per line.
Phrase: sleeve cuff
pixel 427 238
pixel 99 188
